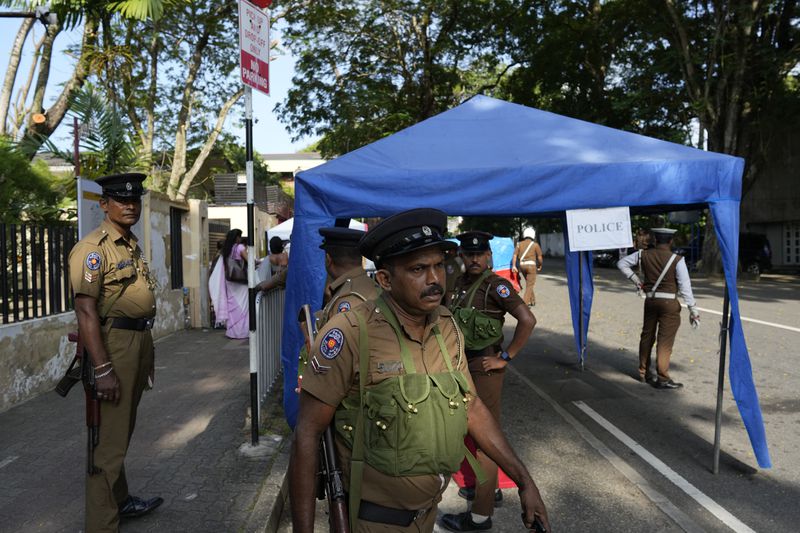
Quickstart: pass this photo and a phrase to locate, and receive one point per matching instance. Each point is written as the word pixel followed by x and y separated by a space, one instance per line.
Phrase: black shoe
pixel 468 493
pixel 133 506
pixel 650 380
pixel 668 385
pixel 463 522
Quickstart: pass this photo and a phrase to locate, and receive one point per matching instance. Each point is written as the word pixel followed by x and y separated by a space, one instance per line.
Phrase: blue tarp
pixel 490 157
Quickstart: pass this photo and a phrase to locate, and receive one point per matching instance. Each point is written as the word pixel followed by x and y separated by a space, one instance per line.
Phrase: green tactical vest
pixel 412 424
pixel 480 330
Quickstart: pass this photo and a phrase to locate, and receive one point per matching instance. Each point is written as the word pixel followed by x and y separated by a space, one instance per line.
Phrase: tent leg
pixel 723 345
pixel 580 309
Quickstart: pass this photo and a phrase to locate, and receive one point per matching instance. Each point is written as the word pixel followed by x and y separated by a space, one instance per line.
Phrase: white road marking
pixel 754 320
pixel 712 311
pixel 8 460
pixel 661 501
pixel 693 492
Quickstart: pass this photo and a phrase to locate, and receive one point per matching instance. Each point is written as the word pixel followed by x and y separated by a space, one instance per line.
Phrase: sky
pixel 269 135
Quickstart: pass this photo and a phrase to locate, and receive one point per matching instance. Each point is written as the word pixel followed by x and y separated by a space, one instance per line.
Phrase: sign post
pixel 254 65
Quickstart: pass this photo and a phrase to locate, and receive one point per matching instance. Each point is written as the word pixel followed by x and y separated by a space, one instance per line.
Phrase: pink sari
pixel 230 299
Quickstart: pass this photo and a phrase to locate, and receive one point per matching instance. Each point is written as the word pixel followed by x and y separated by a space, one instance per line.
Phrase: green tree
pixel 26 194
pixel 368 69
pixel 19 121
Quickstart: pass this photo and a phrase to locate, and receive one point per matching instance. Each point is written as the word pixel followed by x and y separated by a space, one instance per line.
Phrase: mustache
pixel 433 290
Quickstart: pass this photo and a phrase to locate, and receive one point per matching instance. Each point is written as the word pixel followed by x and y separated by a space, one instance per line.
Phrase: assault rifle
pixel 331 484
pixel 81 369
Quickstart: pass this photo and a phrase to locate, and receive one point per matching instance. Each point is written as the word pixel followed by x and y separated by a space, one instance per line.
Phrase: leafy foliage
pixel 26 194
pixel 106 146
pixel 368 69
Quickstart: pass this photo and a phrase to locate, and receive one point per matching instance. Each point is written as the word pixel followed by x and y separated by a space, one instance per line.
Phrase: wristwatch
pixel 505 357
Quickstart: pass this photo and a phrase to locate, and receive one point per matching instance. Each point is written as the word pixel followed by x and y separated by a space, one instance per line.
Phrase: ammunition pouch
pixel 480 330
pixel 414 424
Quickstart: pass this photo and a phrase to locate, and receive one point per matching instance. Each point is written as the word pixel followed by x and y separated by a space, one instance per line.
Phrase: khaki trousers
pixel 131 354
pixel 529 274
pixel 489 388
pixel 662 318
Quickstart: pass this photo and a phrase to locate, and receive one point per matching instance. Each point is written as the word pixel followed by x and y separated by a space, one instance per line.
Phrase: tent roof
pixel 485 148
pixel 493 158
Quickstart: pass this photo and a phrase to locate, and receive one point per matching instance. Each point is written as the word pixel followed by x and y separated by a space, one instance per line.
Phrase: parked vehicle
pixel 755 252
pixel 609 258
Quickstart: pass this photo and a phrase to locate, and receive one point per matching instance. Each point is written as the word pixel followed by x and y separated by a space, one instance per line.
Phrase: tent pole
pixel 723 345
pixel 580 308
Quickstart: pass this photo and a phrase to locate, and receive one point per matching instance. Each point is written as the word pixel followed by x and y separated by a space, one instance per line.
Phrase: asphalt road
pixel 610 454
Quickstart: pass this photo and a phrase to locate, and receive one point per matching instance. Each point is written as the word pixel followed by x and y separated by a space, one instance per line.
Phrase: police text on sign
pixel 599 229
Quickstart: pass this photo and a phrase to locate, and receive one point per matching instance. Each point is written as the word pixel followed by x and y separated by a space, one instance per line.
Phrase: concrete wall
pixel 34 354
pixel 237 214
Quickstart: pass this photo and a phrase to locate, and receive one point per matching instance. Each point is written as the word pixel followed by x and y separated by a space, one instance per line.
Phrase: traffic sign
pixel 254 46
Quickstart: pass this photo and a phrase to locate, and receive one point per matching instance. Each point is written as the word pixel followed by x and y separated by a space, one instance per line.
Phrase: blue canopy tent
pixel 490 157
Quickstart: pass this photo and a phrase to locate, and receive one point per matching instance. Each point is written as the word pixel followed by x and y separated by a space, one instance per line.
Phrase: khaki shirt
pixel 349 290
pixel 338 341
pixel 534 251
pixel 496 295
pixel 99 265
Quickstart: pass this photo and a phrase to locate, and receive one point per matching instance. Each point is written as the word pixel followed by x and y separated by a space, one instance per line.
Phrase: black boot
pixel 463 522
pixel 133 506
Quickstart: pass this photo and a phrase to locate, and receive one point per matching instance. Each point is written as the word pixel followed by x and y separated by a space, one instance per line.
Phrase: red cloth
pixel 513 277
pixel 465 477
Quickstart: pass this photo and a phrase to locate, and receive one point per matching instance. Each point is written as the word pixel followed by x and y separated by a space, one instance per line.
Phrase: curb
pixel 268 509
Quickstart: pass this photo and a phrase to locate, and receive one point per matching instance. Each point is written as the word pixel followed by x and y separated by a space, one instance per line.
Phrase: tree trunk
pixel 38 133
pixel 11 71
pixel 712 257
pixel 188 178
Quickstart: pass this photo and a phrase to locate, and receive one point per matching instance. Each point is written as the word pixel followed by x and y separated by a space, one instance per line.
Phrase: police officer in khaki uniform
pixel 665 277
pixel 480 289
pixel 351 285
pixel 387 370
pixel 115 305
pixel 528 254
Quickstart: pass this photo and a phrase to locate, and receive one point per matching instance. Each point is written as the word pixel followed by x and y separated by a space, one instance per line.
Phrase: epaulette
pixel 96 237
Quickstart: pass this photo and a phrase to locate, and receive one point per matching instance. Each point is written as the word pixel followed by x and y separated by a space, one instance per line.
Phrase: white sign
pixel 90 214
pixel 599 229
pixel 254 46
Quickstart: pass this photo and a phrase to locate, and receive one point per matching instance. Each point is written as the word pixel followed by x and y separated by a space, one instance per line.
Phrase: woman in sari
pixel 230 298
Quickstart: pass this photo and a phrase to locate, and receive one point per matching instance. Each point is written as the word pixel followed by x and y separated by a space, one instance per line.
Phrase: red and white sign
pixel 254 46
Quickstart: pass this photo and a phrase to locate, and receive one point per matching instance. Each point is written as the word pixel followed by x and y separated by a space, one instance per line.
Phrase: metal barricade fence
pixel 269 324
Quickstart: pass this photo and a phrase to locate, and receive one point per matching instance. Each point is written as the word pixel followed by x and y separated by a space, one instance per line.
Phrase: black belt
pixel 135 324
pixel 372 512
pixel 488 351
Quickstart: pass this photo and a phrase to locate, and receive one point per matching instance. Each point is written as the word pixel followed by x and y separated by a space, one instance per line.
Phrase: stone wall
pixel 34 354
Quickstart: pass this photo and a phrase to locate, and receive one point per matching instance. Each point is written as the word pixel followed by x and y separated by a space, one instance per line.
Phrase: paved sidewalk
pixel 190 447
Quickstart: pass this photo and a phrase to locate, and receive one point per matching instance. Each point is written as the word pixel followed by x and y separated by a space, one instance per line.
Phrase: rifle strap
pixel 357 458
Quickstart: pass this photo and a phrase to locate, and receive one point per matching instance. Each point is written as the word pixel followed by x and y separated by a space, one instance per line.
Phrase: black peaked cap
pixel 340 237
pixel 475 241
pixel 127 185
pixel 405 232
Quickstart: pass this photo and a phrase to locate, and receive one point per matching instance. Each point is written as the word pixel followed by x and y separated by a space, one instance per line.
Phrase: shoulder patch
pixel 93 261
pixel 332 344
pixel 503 291
pixel 343 306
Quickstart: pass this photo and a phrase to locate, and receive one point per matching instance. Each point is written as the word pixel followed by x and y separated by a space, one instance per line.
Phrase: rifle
pixel 331 484
pixel 81 369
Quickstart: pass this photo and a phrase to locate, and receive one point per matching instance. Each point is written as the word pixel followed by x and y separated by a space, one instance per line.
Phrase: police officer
pixel 665 277
pixel 483 300
pixel 454 267
pixel 389 369
pixel 115 305
pixel 528 254
pixel 343 262
pixel 350 285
